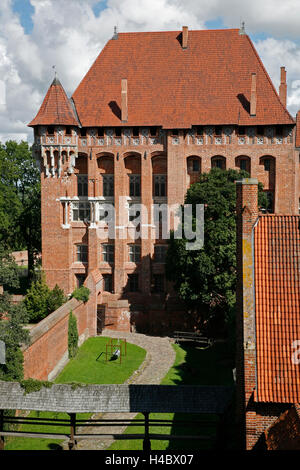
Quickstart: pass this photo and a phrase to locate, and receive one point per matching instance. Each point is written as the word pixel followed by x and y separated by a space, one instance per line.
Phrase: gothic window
pixel 218 162
pixel 82 253
pixel 108 185
pixel 135 185
pixel 135 253
pixel 158 283
pixel 160 185
pixel 81 211
pixel 82 185
pixel 108 282
pixel 133 282
pixel 160 252
pixel 108 253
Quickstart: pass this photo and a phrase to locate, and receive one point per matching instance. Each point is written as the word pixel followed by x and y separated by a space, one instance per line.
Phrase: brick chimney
pixel 283 86
pixel 253 95
pixel 247 213
pixel 124 100
pixel 185 34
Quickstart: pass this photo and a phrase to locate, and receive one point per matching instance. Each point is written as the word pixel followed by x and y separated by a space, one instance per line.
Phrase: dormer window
pixel 50 130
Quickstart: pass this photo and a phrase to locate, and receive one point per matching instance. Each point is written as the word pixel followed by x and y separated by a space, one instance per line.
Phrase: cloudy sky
pixel 37 34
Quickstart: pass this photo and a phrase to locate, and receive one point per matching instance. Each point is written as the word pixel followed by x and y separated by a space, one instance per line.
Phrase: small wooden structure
pixel 191 337
pixel 114 398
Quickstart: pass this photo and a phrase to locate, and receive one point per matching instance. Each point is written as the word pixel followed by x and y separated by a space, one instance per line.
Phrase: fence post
pixel 72 443
pixel 146 441
pixel 1 429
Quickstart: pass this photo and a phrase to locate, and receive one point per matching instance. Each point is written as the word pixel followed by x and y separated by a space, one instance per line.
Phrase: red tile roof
pixel 277 301
pixel 56 108
pixel 207 83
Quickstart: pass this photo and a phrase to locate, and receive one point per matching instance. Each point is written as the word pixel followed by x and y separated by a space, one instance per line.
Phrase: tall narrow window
pixel 135 253
pixel 218 162
pixel 133 282
pixel 108 282
pixel 108 253
pixel 135 185
pixel 160 185
pixel 108 185
pixel 82 185
pixel 158 283
pixel 160 252
pixel 82 253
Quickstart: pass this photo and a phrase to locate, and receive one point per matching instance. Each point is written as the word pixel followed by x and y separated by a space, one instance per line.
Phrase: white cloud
pixel 69 35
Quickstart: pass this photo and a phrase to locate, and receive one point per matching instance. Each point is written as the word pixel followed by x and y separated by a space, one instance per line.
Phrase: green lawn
pixel 192 366
pixel 89 366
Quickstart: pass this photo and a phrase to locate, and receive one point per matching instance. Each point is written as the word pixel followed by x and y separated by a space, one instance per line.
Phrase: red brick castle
pixel 153 112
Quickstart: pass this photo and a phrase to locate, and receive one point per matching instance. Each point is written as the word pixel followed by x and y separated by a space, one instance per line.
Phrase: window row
pixel 159 185
pixel 278 131
pixel 108 253
pixel 133 281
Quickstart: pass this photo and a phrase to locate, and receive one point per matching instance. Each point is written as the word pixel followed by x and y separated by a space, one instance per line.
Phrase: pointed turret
pixel 56 108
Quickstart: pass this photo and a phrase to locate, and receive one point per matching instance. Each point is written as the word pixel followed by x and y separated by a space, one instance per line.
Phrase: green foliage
pixel 55 299
pixel 81 293
pixel 12 319
pixel 205 279
pixel 40 301
pixel 72 336
pixel 20 213
pixel 33 385
pixel 8 269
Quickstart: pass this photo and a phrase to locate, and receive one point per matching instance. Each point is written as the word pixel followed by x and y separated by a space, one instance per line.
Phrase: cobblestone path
pixel 159 359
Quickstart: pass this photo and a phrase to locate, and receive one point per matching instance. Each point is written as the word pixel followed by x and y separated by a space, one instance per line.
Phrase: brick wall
pixel 48 349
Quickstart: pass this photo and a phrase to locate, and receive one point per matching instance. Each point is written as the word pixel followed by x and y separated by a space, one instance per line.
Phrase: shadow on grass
pixel 205 366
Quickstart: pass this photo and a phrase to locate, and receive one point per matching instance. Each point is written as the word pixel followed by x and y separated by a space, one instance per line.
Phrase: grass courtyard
pixel 192 366
pixel 90 367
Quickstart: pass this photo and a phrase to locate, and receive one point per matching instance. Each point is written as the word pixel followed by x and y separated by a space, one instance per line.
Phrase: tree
pixel 72 335
pixel 205 279
pixel 12 319
pixel 20 214
pixel 40 300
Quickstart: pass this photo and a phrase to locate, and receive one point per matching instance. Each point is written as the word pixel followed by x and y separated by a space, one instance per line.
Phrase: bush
pixel 81 293
pixel 40 301
pixel 72 336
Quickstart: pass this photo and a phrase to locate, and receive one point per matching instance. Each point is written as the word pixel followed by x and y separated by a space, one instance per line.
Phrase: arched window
pixel 159 172
pixel 105 165
pixel 133 169
pixel 218 162
pixel 243 163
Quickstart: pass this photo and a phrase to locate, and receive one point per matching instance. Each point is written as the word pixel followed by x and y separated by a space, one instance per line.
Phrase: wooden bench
pixel 189 336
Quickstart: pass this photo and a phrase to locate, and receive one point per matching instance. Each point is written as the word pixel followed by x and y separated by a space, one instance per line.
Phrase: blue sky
pixel 36 34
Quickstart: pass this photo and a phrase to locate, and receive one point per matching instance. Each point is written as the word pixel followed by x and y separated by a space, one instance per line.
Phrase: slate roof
pixel 117 398
pixel 277 304
pixel 56 108
pixel 207 83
